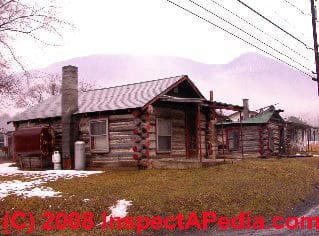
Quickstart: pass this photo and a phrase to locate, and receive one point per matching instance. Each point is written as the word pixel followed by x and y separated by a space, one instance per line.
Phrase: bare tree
pixel 44 86
pixel 38 20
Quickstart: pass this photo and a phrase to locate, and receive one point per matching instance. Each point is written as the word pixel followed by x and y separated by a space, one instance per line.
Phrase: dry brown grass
pixel 265 187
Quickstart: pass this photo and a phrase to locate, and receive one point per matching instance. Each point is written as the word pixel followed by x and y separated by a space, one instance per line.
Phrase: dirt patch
pixel 307 203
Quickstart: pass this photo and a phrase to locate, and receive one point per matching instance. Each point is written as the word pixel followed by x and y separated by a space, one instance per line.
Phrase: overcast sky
pixel 156 27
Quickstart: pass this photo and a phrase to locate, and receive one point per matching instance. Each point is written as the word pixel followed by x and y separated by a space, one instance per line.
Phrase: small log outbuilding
pixel 299 135
pixel 261 135
pixel 123 125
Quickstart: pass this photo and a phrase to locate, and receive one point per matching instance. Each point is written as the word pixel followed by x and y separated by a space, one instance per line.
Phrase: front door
pixel 191 133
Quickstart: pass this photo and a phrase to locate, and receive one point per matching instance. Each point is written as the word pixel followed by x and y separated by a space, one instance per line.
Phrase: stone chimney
pixel 69 104
pixel 211 95
pixel 246 108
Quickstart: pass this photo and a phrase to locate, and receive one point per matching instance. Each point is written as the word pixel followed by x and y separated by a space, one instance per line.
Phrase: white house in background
pixel 245 114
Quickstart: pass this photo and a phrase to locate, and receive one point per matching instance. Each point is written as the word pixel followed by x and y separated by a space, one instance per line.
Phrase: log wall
pixel 120 137
pixel 178 132
pixel 177 115
pixel 296 139
pixel 250 141
pixel 256 139
pixel 124 139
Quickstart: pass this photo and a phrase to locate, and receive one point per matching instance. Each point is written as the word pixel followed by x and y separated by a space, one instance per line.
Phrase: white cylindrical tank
pixel 79 155
pixel 56 159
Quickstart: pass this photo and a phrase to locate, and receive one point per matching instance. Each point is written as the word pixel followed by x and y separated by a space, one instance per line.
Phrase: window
pixel 164 135
pixel 1 140
pixel 233 139
pixel 99 135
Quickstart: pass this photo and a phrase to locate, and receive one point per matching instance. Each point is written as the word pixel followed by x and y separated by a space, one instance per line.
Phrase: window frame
pixel 157 135
pixel 107 149
pixel 4 140
pixel 238 139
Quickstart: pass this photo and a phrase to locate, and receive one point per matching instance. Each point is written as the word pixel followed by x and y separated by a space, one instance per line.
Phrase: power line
pixel 297 8
pixel 250 35
pixel 284 20
pixel 271 22
pixel 260 30
pixel 236 36
pixel 315 39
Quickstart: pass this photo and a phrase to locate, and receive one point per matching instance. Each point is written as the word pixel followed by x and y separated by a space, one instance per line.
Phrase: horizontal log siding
pixel 178 132
pixel 120 137
pixel 250 139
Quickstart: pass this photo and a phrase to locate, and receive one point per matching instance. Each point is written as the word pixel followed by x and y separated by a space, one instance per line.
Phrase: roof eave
pixel 185 77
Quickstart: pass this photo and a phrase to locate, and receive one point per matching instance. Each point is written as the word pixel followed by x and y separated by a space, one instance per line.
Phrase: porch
pixel 195 118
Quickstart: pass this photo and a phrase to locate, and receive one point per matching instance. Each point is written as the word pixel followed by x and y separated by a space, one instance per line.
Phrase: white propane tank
pixel 79 155
pixel 56 159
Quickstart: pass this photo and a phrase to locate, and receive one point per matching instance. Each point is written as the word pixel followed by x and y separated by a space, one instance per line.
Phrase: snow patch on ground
pixel 33 187
pixel 119 210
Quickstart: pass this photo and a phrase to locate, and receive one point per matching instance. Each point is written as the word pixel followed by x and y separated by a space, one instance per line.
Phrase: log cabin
pixel 252 135
pixel 123 125
pixel 299 135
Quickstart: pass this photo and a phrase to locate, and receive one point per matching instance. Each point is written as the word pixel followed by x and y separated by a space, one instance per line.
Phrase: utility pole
pixel 315 41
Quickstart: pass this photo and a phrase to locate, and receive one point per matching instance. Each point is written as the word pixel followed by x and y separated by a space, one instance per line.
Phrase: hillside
pixel 261 79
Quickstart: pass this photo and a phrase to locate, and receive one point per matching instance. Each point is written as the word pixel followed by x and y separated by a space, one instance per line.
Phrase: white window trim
pixel 157 132
pixel 106 119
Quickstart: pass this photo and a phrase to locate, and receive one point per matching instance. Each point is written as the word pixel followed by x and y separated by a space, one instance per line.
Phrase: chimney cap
pixel 69 66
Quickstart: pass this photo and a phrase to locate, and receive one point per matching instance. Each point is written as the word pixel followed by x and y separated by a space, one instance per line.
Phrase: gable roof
pixel 262 118
pixel 135 95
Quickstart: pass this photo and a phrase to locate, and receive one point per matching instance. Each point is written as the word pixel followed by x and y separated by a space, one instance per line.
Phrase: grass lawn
pixel 265 187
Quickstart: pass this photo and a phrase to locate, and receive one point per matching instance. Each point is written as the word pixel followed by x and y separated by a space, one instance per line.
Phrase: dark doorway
pixel 281 140
pixel 191 133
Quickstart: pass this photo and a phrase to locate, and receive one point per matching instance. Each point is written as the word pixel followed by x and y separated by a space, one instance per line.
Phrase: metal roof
pixel 222 105
pixel 262 118
pixel 107 99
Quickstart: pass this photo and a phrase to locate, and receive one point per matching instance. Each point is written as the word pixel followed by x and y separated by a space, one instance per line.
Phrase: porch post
pixel 241 136
pixel 308 140
pixel 220 110
pixel 199 133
